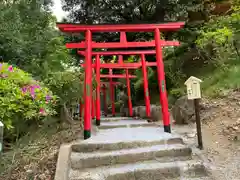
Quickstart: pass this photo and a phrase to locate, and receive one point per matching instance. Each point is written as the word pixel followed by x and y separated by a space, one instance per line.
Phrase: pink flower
pixel 30 89
pixel 10 68
pixel 24 89
pixel 33 95
pixel 35 86
pixel 48 98
pixel 42 111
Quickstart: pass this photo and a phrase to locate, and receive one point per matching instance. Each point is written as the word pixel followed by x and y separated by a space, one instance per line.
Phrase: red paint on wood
pixel 121 45
pixel 116 76
pixel 161 80
pixel 98 106
pixel 123 37
pixel 88 83
pixel 114 83
pixel 129 94
pixel 104 99
pixel 123 66
pixel 112 92
pixel 120 59
pixel 130 52
pixel 119 27
pixel 145 85
pixel 93 105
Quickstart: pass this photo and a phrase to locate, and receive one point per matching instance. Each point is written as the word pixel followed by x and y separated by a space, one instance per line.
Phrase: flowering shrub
pixel 22 99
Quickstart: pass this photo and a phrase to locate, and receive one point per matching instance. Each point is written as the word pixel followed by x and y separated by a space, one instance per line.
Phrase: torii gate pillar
pixel 104 99
pixel 87 86
pixel 98 106
pixel 162 83
pixel 129 94
pixel 112 93
pixel 145 86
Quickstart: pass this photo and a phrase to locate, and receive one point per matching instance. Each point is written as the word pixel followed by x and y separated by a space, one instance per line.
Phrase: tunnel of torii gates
pixel 88 46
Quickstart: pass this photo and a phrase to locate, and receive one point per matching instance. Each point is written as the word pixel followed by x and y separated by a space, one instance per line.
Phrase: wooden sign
pixel 194 93
pixel 193 88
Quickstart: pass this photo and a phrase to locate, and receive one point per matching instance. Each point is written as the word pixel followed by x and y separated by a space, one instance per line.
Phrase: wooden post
pixel 194 93
pixel 198 123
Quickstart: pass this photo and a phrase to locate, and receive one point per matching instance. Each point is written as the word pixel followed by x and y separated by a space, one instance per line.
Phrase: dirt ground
pixel 36 158
pixel 221 135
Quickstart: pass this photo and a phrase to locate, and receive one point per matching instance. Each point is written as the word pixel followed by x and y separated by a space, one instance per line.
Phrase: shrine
pixel 88 45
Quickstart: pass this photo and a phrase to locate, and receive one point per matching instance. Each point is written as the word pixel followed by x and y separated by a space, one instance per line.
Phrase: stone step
pixel 110 119
pixel 84 147
pixel 148 170
pixel 126 138
pixel 95 159
pixel 126 124
pixel 196 178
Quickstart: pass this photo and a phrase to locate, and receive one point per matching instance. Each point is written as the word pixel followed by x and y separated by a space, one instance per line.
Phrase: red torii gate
pixel 96 112
pixel 88 45
pixel 121 65
pixel 111 83
pixel 125 66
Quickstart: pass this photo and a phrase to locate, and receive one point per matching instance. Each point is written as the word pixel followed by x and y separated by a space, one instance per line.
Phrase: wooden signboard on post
pixel 194 93
pixel 193 88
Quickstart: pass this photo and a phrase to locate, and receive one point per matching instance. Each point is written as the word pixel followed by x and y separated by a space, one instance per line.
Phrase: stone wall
pixel 140 111
pixel 182 111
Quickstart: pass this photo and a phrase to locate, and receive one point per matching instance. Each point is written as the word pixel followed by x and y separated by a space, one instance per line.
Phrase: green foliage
pixel 28 38
pixel 67 85
pixel 176 93
pixel 118 106
pixel 219 38
pixel 23 100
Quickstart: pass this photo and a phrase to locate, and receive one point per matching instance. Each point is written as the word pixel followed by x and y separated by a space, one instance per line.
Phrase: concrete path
pixel 129 149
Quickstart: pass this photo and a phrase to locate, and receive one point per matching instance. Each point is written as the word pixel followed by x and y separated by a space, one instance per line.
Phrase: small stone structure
pixel 140 111
pixel 183 111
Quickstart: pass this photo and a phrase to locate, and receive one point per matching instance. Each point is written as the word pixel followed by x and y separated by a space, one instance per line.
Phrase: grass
pixel 222 80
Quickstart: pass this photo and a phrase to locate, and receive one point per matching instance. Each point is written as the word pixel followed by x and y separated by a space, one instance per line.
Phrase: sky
pixel 57 10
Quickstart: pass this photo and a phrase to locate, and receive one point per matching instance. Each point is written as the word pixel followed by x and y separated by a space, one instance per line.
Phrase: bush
pixel 68 86
pixel 118 106
pixel 23 101
pixel 219 38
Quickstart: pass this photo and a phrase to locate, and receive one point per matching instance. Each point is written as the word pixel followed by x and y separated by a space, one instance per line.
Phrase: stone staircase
pixel 129 149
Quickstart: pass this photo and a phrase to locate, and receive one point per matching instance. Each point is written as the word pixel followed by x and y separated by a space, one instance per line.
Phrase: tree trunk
pixel 65 115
